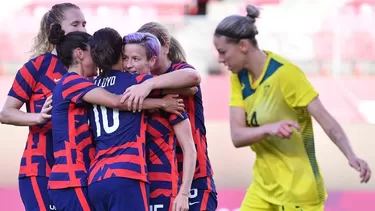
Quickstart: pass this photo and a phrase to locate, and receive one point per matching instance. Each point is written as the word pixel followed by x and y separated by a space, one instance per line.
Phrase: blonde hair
pixel 55 15
pixel 176 52
pixel 41 43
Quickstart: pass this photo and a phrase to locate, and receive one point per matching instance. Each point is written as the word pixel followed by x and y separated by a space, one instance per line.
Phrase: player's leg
pixel 70 199
pixel 34 194
pixel 161 203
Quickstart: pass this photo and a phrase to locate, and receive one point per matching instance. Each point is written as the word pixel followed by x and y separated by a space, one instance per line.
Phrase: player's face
pixel 230 54
pixel 74 21
pixel 88 66
pixel 161 59
pixel 135 59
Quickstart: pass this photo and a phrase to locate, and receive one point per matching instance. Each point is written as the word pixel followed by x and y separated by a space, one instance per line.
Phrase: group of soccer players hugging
pixel 115 123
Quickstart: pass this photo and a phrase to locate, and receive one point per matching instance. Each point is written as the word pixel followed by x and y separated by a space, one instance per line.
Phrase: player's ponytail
pixel 56 35
pixel 236 27
pixel 54 16
pixel 41 43
pixel 66 44
pixel 176 52
pixel 106 49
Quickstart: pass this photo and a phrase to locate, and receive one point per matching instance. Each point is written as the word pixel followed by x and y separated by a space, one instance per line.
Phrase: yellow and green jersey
pixel 285 170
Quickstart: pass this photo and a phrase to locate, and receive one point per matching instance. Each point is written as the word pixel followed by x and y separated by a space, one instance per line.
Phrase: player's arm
pixel 331 127
pixel 20 92
pixel 12 115
pixel 335 132
pixel 182 91
pixel 101 96
pixel 186 77
pixel 242 135
pixel 185 139
pixel 299 93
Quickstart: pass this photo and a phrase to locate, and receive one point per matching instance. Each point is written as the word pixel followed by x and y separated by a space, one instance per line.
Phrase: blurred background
pixel 333 41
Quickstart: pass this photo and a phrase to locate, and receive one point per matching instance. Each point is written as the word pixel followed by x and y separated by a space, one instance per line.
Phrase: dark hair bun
pixel 56 35
pixel 252 12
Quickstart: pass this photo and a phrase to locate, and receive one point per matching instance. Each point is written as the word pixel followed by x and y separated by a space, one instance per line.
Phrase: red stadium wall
pixel 343 98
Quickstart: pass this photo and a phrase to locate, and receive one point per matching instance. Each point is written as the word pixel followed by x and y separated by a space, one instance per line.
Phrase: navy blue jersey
pixel 72 139
pixel 119 136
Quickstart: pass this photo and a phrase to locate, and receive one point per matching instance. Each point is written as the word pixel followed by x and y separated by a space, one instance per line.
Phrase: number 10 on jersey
pixel 103 120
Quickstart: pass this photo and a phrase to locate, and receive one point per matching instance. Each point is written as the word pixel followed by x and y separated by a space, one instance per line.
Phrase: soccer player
pixel 162 131
pixel 119 167
pixel 72 140
pixel 33 85
pixel 203 194
pixel 271 105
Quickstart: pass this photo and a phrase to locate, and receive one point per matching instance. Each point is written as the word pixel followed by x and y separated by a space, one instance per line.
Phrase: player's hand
pixel 181 203
pixel 173 104
pixel 45 113
pixel 135 95
pixel 282 129
pixel 362 167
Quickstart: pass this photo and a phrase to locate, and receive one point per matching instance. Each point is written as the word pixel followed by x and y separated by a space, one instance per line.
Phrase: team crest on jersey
pixel 266 90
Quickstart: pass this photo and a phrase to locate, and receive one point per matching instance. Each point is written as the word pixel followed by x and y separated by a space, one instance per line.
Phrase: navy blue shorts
pixel 34 193
pixel 70 199
pixel 123 194
pixel 161 203
pixel 203 196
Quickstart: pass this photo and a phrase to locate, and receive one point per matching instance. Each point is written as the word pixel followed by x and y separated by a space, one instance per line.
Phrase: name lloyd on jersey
pixel 104 82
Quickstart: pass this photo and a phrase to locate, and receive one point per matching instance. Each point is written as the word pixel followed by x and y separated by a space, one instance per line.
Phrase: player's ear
pixel 166 47
pixel 152 61
pixel 78 53
pixel 244 45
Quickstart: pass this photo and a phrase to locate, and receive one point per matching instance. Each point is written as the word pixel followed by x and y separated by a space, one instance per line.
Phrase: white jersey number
pixel 108 129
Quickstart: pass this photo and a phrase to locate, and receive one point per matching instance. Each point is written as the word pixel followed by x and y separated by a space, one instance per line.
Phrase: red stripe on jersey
pixel 29 79
pixel 38 195
pixel 30 168
pixel 42 147
pixel 136 159
pixel 71 78
pixel 155 159
pixel 139 78
pixel 144 196
pixel 154 132
pixel 140 141
pixel 44 89
pixel 114 149
pixel 82 199
pixel 63 168
pixel 161 192
pixel 173 117
pixel 75 88
pixel 83 128
pixel 85 142
pixel 19 90
pixel 189 101
pixel 159 176
pixel 51 66
pixel 38 62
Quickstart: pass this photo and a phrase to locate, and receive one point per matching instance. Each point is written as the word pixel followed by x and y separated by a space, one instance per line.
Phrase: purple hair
pixel 147 40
